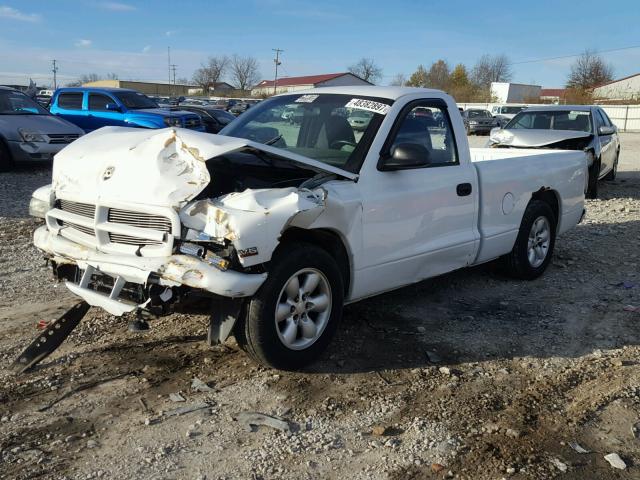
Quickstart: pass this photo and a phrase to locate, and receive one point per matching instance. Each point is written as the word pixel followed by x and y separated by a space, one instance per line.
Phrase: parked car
pixel 359 119
pixel 504 113
pixel 28 132
pixel 478 121
pixel 213 119
pixel 239 108
pixel 283 224
pixel 567 127
pixel 91 108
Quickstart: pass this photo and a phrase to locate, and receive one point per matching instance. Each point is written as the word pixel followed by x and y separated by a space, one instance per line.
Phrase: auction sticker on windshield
pixel 306 98
pixel 369 105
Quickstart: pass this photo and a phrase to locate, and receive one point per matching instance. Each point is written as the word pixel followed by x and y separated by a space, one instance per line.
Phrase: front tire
pixel 534 245
pixel 594 173
pixel 6 162
pixel 614 171
pixel 290 321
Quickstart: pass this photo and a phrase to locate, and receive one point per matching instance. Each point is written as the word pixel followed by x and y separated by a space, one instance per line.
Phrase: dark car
pixel 214 119
pixel 28 132
pixel 240 108
pixel 477 120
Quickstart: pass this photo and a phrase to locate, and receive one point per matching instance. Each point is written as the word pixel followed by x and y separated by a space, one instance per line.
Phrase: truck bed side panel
pixel 507 180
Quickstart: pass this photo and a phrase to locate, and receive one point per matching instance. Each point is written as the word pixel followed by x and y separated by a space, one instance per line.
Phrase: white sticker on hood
pixel 369 105
pixel 306 98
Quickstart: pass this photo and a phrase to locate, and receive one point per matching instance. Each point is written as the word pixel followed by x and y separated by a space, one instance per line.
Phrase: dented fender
pixel 253 220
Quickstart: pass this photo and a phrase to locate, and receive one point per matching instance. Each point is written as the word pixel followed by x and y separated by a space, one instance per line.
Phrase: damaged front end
pixel 139 219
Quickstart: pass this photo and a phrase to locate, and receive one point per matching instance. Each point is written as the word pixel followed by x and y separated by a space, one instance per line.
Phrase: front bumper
pixel 481 128
pixel 171 271
pixel 34 151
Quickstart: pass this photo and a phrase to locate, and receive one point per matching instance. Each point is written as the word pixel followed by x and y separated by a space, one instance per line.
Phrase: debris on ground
pixel 578 448
pixel 615 461
pixel 198 385
pixel 252 420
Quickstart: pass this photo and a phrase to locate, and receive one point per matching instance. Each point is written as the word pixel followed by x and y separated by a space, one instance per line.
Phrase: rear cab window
pixel 70 100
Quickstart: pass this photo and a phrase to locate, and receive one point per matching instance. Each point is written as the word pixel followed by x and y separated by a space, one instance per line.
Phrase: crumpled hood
pixel 533 137
pixel 163 167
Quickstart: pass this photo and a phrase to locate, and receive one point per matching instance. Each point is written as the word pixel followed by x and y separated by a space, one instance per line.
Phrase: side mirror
pixel 604 130
pixel 405 156
pixel 112 107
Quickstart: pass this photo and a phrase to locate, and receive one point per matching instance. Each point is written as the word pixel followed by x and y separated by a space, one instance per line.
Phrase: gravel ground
pixel 469 375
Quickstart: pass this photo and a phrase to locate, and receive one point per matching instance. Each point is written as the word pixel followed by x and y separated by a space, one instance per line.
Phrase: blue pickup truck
pixel 93 108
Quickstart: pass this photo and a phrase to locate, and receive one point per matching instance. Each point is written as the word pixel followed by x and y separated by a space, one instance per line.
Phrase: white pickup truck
pixel 283 223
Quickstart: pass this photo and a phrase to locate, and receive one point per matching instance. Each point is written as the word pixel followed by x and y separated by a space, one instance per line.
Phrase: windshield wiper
pixel 273 140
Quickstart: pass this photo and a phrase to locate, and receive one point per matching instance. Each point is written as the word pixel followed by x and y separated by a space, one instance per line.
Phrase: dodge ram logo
pixel 108 173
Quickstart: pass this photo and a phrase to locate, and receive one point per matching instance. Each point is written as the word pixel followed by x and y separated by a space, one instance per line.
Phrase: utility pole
pixel 55 71
pixel 277 62
pixel 169 65
pixel 173 69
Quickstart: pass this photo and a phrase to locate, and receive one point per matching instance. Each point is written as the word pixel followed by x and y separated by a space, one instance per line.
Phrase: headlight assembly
pixel 29 136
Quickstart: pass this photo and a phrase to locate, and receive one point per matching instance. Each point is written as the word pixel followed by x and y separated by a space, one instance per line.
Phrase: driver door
pixel 418 222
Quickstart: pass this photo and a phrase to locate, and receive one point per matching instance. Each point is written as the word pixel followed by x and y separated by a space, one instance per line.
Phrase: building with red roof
pixel 291 84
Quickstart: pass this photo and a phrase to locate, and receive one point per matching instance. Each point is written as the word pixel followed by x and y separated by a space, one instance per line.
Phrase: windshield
pixel 315 126
pixel 513 110
pixel 478 114
pixel 574 120
pixel 221 116
pixel 135 100
pixel 13 102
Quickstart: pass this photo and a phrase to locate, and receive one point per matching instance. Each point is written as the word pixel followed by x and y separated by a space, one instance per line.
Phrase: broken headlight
pixel 41 202
pixel 201 253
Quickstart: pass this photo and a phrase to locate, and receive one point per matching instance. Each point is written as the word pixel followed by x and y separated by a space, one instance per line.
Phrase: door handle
pixel 463 189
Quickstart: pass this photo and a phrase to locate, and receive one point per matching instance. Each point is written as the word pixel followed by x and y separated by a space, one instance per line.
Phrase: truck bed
pixel 506 189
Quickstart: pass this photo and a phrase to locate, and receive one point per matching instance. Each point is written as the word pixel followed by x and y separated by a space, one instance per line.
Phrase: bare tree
pixel 588 71
pixel 211 72
pixel 399 80
pixel 366 69
pixel 491 68
pixel 244 72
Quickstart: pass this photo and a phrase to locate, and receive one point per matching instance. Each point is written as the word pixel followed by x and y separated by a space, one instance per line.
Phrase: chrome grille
pixel 141 220
pixel 82 209
pixel 80 228
pixel 59 138
pixel 128 240
pixel 156 224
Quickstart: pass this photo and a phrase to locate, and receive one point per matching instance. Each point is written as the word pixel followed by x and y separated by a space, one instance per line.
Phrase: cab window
pixel 429 126
pixel 98 102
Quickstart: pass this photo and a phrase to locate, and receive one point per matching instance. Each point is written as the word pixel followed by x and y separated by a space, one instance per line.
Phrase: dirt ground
pixel 470 375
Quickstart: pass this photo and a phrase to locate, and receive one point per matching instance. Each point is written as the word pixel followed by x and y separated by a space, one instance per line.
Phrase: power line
pixel 574 55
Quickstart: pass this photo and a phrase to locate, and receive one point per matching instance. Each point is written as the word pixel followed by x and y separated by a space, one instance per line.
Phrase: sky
pixel 130 38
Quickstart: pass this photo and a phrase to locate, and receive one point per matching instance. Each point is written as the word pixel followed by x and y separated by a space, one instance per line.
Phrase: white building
pixel 505 92
pixel 291 84
pixel 624 89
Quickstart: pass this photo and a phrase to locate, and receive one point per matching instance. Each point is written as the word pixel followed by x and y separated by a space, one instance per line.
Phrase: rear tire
pixel 534 245
pixel 6 162
pixel 279 328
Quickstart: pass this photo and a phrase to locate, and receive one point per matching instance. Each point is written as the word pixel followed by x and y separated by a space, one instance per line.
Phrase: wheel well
pixel 549 197
pixel 327 240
